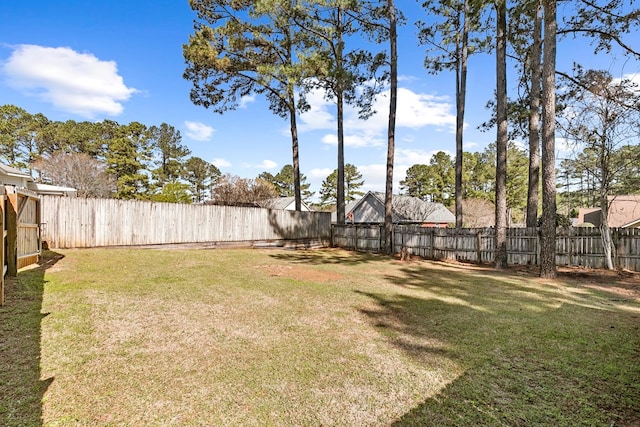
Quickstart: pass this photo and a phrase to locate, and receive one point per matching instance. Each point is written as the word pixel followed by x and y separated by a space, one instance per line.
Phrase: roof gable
pixel 370 208
pixel 624 211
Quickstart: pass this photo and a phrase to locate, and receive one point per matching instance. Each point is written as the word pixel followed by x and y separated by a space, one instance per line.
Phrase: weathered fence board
pixel 83 223
pixel 23 246
pixel 574 246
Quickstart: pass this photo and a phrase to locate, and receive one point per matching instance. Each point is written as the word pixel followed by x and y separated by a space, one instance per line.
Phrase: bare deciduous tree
pixel 231 190
pixel 478 213
pixel 77 170
pixel 603 121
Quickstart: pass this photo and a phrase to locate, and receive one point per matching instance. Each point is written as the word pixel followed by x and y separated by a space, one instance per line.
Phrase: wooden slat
pixel 78 223
pixel 23 225
pixel 575 246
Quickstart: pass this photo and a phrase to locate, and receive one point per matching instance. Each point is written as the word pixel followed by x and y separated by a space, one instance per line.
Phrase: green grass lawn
pixel 272 337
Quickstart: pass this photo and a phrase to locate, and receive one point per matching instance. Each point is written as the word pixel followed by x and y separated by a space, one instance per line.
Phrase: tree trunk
pixel 534 120
pixel 291 101
pixel 548 230
pixel 501 138
pixel 340 190
pixel 340 200
pixel 461 92
pixel 294 149
pixel 393 101
pixel 605 233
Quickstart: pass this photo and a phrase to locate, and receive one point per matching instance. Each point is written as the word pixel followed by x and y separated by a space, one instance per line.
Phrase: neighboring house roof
pixel 282 203
pixel 17 178
pixel 405 209
pixel 51 190
pixel 9 171
pixel 624 212
pixel 632 224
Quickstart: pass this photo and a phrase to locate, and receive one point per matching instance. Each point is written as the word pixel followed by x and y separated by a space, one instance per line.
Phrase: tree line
pixel 283 49
pixel 136 161
pixel 105 159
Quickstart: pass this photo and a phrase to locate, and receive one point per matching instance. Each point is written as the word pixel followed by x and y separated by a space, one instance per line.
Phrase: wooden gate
pixel 23 214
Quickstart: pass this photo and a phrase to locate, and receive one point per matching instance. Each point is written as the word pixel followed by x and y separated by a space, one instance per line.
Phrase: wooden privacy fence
pixel 84 223
pixel 21 244
pixel 574 246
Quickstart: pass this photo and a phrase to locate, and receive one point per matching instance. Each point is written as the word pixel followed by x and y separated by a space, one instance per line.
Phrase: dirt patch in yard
pixel 299 273
pixel 624 283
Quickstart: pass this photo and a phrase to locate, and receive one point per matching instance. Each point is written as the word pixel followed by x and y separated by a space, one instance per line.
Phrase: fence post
pixel 12 232
pixel 433 243
pixel 456 256
pixel 331 241
pixel 538 246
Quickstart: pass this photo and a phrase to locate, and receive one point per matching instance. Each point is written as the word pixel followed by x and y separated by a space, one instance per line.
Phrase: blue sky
pixel 122 60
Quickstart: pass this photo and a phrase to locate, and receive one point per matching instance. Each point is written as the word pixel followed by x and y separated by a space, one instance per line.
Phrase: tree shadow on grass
pixel 525 352
pixel 21 388
pixel 328 256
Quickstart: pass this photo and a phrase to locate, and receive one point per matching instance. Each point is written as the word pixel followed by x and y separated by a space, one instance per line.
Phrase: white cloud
pixel 412 157
pixel 374 177
pixel 320 173
pixel 198 131
pixel 319 115
pixel 415 111
pixel 633 78
pixel 316 177
pixel 355 140
pixel 267 164
pixel 221 163
pixel 246 100
pixel 407 78
pixel 469 145
pixel 75 82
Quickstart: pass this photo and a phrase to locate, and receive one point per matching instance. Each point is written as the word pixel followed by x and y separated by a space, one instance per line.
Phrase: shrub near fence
pixel 83 223
pixel 581 247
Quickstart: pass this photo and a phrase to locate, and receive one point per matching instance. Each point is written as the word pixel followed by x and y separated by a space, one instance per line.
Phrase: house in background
pixel 283 203
pixel 624 212
pixel 16 178
pixel 405 210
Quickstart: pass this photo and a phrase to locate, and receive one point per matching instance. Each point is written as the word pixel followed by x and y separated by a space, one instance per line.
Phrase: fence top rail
pixel 524 231
pixel 20 191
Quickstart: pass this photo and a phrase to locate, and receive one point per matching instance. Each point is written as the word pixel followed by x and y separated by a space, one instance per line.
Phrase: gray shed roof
pixel 413 209
pixel 281 203
pixel 405 209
